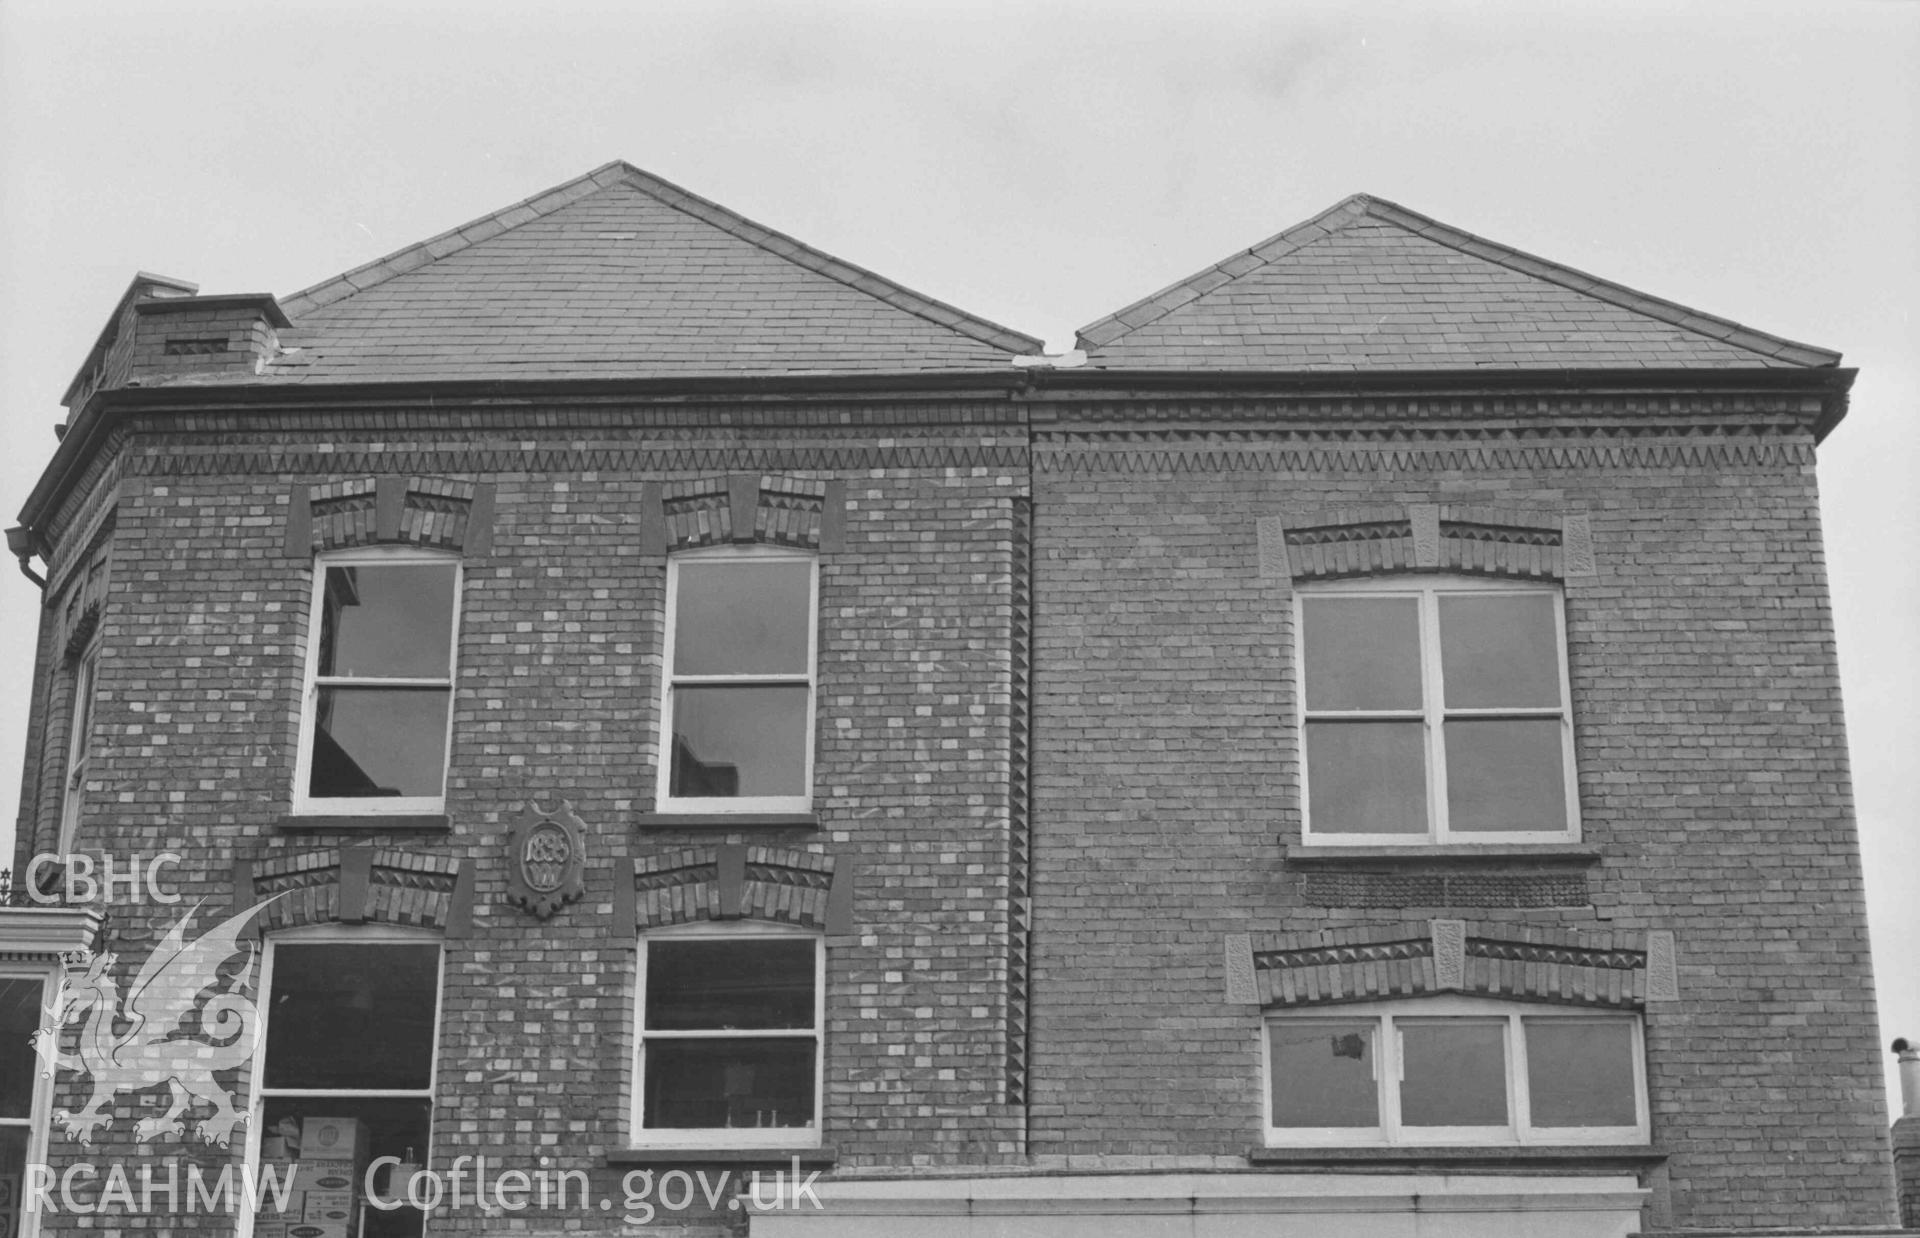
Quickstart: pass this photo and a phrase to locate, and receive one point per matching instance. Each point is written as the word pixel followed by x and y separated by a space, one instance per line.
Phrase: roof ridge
pixel 619 171
pixel 1157 305
pixel 1613 292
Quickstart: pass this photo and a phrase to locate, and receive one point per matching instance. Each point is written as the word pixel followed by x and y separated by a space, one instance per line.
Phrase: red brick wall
pixel 1712 776
pixel 557 695
pixel 1711 762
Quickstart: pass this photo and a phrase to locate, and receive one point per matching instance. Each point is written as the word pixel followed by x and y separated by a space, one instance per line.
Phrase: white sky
pixel 1038 164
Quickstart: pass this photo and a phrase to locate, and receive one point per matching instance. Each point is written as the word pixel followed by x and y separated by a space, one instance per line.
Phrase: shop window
pixel 23 1097
pixel 346 1072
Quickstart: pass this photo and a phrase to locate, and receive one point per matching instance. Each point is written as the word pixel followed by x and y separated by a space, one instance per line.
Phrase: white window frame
pixel 80 711
pixel 40 1108
pixel 257 1091
pixel 355 805
pixel 1433 713
pixel 800 1137
pixel 718 805
pixel 1388 1068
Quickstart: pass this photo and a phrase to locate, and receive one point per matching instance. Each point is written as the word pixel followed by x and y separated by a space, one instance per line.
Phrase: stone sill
pixel 809 1158
pixel 1445 855
pixel 1582 1156
pixel 727 820
pixel 366 823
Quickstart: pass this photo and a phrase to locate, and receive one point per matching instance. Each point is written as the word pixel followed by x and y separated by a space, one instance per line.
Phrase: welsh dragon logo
pixel 182 1021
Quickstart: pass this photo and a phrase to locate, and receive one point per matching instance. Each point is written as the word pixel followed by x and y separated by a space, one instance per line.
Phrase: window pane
pixel 19 1020
pixel 389 620
pixel 82 711
pixel 1580 1073
pixel 352 1016
pixel 1323 1074
pixel 740 741
pixel 380 741
pixel 1366 778
pixel 1505 774
pixel 1455 1074
pixel 13 1169
pixel 711 985
pixel 1499 651
pixel 396 1128
pixel 1361 652
pixel 729 1083
pixel 743 618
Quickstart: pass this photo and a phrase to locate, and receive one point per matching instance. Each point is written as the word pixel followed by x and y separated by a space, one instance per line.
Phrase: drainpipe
pixel 20 542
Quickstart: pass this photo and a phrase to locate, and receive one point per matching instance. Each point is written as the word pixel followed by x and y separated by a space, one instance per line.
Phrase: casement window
pixel 24 1095
pixel 738 691
pixel 1435 711
pixel 380 673
pixel 79 745
pixel 346 1069
pixel 729 1044
pixel 1455 1071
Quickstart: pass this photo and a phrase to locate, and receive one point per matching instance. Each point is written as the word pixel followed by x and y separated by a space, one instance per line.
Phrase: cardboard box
pixel 286 1178
pixel 333 1139
pixel 326 1206
pixel 328 1175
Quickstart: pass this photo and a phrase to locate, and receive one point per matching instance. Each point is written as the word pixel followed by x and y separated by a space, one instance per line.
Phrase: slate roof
pixel 618 274
pixel 1368 285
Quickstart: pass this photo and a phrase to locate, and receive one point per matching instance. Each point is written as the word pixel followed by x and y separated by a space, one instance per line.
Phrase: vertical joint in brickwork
pixel 1019 805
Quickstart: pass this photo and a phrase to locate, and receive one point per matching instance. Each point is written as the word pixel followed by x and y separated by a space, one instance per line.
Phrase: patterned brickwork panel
pixel 1369 890
pixel 436 512
pixel 1411 958
pixel 767 509
pixel 358 885
pixel 1426 538
pixel 736 882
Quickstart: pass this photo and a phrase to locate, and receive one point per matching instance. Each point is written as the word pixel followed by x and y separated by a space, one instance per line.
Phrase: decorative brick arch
pixel 1416 958
pixel 735 882
pixel 433 512
pixel 1427 537
pixel 745 509
pixel 358 885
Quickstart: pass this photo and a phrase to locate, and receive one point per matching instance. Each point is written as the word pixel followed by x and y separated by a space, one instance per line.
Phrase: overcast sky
pixel 1039 165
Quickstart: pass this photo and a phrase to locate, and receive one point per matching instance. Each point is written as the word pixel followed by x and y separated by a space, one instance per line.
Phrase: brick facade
pixel 1058 860
pixel 1166 817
